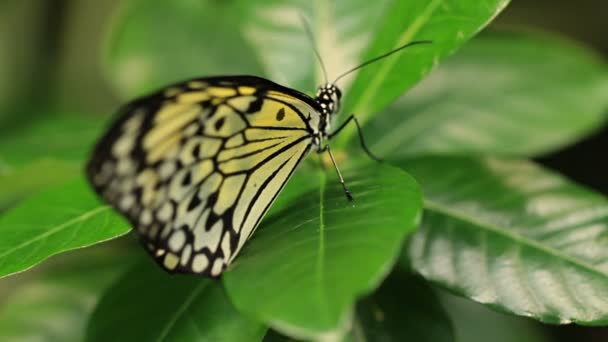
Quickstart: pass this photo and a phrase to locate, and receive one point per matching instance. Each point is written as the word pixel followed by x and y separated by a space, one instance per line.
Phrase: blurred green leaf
pixel 514 236
pixel 206 38
pixel 341 31
pixel 148 304
pixel 404 308
pixel 153 43
pixel 53 221
pixel 303 269
pixel 475 323
pixel 505 93
pixel 18 62
pixel 268 38
pixel 55 306
pixel 448 23
pixel 60 137
pixel 38 154
pixel 17 183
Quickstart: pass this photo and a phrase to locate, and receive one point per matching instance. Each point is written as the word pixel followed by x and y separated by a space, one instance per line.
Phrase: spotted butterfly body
pixel 195 166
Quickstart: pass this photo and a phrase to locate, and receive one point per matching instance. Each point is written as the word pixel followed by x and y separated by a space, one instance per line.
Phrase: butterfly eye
pixel 338 93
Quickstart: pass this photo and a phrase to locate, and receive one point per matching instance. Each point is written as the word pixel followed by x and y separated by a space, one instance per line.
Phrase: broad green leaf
pixel 154 43
pixel 17 183
pixel 404 308
pixel 148 304
pixel 56 220
pixel 55 305
pixel 265 38
pixel 268 38
pixel 42 153
pixel 448 23
pixel 505 93
pixel 476 323
pixel 514 236
pixel 304 268
pixel 341 31
pixel 61 137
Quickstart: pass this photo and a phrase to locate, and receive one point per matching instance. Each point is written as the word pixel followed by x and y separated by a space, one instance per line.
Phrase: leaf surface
pixel 512 235
pixel 54 303
pixel 505 93
pixel 61 218
pixel 303 270
pixel 156 306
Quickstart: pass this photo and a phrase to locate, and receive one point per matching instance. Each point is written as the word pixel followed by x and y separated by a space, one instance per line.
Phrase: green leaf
pixel 265 38
pixel 448 23
pixel 55 305
pixel 505 93
pixel 48 151
pixel 60 137
pixel 514 236
pixel 475 323
pixel 304 268
pixel 153 43
pixel 17 183
pixel 53 221
pixel 148 304
pixel 341 31
pixel 404 308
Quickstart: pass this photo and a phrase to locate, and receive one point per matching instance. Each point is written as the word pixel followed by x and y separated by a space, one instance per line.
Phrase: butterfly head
pixel 328 97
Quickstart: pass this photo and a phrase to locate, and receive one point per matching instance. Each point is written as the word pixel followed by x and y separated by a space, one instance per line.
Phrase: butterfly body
pixel 195 166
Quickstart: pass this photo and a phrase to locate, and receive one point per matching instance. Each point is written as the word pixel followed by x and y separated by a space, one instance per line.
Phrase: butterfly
pixel 195 166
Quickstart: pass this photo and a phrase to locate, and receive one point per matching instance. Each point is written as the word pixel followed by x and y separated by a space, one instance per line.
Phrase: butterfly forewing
pixel 195 166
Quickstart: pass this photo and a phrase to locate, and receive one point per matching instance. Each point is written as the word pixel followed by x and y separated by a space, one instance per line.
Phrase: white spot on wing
pixel 177 240
pixel 200 263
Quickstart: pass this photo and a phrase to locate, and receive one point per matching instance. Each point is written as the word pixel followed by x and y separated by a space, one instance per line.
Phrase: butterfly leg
pixel 347 192
pixel 352 117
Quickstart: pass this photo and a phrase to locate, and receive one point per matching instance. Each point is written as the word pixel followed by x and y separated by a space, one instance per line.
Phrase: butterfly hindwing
pixel 195 166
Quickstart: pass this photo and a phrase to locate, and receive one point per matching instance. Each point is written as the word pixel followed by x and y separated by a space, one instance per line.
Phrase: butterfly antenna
pixel 314 44
pixel 375 59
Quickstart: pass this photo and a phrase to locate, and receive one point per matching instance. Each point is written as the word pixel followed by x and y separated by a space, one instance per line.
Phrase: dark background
pixel 49 58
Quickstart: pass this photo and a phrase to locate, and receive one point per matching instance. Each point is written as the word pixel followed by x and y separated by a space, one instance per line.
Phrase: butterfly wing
pixel 195 166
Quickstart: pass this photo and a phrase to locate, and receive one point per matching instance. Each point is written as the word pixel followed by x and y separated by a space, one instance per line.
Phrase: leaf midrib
pixel 522 240
pixel 386 66
pixel 56 229
pixel 181 310
pixel 321 253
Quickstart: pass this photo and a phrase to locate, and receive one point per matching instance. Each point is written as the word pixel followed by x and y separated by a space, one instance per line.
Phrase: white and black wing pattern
pixel 195 166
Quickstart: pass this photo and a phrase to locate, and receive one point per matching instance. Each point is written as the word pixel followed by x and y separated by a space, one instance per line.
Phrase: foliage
pixel 491 227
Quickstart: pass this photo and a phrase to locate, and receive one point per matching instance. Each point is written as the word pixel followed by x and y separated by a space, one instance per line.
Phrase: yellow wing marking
pixel 241 102
pixel 163 149
pixel 276 114
pixel 228 193
pixel 197 84
pixel 224 123
pixel 179 115
pixel 235 141
pixel 246 90
pixel 221 91
pixel 283 164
